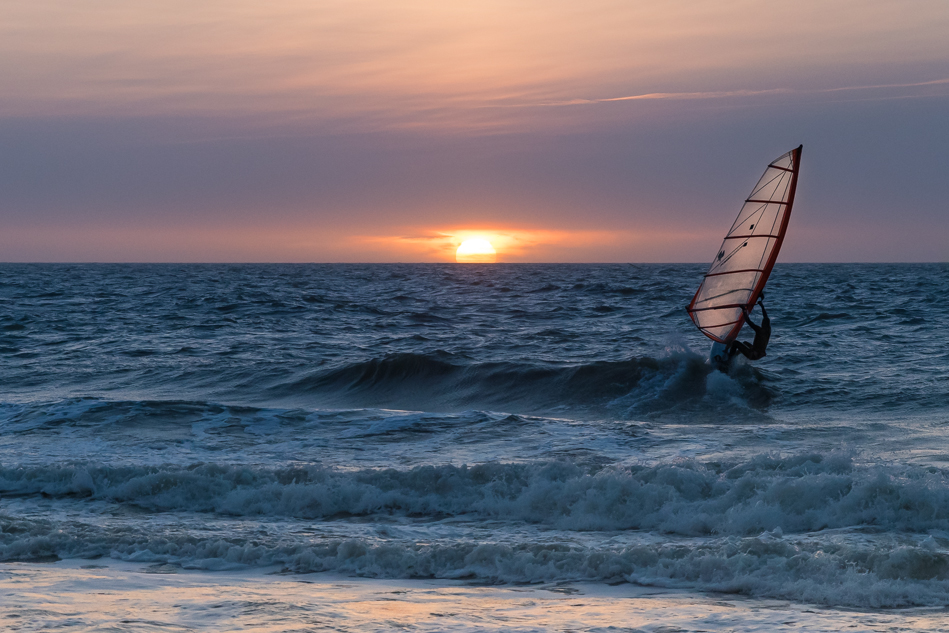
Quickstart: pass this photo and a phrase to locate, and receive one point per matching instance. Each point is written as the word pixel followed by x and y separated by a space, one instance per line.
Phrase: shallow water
pixel 163 598
pixel 496 424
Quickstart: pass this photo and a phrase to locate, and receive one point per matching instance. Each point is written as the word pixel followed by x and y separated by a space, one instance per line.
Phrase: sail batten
pixel 739 272
pixel 734 272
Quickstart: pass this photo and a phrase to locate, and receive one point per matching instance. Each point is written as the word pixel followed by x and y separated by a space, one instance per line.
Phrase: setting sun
pixel 476 250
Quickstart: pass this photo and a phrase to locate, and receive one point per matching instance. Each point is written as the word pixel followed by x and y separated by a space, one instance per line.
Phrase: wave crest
pixel 440 381
pixel 796 494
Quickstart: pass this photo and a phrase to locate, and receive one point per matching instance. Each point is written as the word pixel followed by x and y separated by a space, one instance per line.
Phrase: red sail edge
pixel 772 258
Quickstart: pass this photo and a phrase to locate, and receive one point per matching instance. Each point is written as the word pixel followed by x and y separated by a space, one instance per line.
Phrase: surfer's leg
pixel 744 348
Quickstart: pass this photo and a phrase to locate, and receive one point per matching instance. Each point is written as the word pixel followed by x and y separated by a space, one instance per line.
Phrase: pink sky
pixel 379 131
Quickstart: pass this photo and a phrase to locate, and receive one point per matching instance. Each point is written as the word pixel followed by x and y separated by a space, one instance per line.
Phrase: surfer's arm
pixel 763 311
pixel 748 320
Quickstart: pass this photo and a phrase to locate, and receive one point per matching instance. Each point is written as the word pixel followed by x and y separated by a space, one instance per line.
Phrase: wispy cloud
pixel 718 94
pixel 723 94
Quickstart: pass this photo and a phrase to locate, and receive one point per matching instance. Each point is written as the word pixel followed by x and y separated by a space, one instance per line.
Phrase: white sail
pixel 742 265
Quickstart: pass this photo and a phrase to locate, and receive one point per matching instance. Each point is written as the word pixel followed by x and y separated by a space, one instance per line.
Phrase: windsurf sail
pixel 743 264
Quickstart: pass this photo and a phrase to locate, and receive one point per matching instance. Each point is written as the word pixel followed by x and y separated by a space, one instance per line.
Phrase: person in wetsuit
pixel 755 350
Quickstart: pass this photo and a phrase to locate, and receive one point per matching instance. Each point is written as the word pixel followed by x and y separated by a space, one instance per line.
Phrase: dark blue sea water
pixel 498 423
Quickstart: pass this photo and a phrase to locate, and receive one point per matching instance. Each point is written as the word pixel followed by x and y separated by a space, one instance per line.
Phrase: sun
pixel 477 250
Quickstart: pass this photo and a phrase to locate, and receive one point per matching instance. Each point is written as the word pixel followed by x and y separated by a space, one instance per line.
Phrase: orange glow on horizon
pixel 309 243
pixel 476 250
pixel 306 243
pixel 509 244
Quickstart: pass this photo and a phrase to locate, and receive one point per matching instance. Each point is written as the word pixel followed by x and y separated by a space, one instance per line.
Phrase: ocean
pixel 469 447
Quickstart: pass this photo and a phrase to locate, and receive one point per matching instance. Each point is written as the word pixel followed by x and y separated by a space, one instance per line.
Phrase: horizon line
pixel 415 263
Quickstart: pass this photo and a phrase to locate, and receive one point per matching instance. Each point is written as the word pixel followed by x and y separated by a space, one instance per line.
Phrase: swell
pixel 815 528
pixel 444 382
pixel 795 494
pixel 847 570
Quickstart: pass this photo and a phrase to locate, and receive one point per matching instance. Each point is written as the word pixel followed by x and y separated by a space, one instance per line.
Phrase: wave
pixel 881 573
pixel 796 494
pixel 811 527
pixel 681 383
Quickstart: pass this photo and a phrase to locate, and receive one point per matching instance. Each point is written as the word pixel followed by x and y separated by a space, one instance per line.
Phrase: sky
pixel 380 131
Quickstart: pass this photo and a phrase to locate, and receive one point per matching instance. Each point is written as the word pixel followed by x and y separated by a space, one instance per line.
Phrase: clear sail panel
pixel 746 255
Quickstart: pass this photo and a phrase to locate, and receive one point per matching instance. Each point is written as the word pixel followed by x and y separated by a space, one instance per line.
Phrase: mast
pixel 795 169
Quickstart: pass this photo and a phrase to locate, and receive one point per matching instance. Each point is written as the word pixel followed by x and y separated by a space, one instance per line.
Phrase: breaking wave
pixel 681 383
pixel 795 494
pixel 816 528
pixel 856 572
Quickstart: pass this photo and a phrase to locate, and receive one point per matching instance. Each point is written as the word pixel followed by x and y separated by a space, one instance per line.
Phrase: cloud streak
pixel 724 94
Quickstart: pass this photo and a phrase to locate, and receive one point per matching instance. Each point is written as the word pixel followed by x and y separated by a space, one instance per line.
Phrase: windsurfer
pixel 755 350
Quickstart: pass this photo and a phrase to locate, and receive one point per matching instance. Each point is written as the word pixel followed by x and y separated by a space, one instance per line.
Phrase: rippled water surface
pixel 491 423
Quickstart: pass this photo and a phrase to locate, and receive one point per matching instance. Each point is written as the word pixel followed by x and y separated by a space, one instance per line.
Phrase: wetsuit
pixel 755 350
